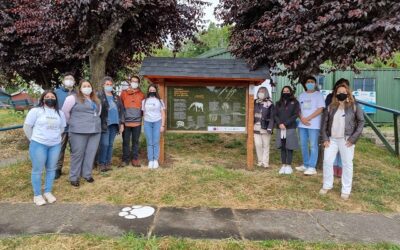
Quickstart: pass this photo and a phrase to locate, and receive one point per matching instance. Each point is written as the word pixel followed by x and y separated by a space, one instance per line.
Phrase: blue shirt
pixel 113 116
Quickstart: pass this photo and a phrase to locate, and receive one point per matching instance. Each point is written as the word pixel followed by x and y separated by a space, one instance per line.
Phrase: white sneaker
pixel 323 191
pixel 151 164
pixel 288 169
pixel 345 196
pixel 155 164
pixel 301 168
pixel 310 171
pixel 49 197
pixel 282 170
pixel 259 164
pixel 39 200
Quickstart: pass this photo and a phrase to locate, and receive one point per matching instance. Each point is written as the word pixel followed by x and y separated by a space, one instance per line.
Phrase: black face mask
pixel 341 97
pixel 152 94
pixel 286 96
pixel 50 102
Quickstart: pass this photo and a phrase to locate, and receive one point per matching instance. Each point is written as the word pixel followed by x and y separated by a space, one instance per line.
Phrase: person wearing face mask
pixel 263 126
pixel 44 126
pixel 124 86
pixel 312 104
pixel 132 111
pixel 65 90
pixel 287 110
pixel 341 127
pixel 82 111
pixel 154 123
pixel 337 165
pixel 111 123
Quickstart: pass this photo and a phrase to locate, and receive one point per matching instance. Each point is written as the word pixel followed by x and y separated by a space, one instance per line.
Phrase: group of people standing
pixel 89 121
pixel 337 120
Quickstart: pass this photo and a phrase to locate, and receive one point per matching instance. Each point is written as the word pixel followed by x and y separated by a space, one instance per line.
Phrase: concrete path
pixel 26 218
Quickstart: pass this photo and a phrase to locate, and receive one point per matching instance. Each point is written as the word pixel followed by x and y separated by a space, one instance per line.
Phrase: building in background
pixel 380 86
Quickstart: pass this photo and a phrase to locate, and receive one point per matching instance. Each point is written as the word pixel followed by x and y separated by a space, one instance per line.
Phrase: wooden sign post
pixel 206 96
pixel 250 128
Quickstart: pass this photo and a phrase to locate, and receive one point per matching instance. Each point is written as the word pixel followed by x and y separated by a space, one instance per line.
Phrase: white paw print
pixel 136 212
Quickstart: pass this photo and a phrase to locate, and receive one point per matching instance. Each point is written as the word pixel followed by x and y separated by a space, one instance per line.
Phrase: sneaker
pixel 323 191
pixel 155 164
pixel 136 163
pixel 345 196
pixel 151 164
pixel 102 168
pixel 90 179
pixel 39 200
pixel 288 169
pixel 259 164
pixel 265 165
pixel 108 167
pixel 282 170
pixel 49 197
pixel 301 168
pixel 310 171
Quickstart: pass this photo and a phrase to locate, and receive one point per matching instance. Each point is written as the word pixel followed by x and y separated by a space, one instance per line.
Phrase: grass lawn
pixel 139 243
pixel 208 170
pixel 9 118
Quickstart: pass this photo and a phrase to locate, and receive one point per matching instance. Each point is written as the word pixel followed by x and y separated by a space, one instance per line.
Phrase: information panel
pixel 212 109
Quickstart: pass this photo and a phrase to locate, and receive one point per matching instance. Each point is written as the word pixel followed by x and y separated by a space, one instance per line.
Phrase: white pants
pixel 261 142
pixel 347 154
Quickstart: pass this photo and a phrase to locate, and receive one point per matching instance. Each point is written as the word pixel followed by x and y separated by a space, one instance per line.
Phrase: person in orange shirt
pixel 132 107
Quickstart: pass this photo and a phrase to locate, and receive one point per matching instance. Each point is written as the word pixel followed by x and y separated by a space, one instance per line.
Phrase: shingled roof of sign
pixel 201 68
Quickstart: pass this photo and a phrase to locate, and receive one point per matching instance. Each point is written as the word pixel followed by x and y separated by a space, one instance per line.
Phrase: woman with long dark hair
pixel 154 122
pixel 111 123
pixel 43 126
pixel 82 111
pixel 341 127
pixel 287 110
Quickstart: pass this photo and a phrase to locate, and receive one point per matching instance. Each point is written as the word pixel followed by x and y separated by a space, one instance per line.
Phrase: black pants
pixel 64 142
pixel 286 154
pixel 130 134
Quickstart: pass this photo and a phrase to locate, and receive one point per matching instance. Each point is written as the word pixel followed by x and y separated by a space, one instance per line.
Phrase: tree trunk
pixel 99 52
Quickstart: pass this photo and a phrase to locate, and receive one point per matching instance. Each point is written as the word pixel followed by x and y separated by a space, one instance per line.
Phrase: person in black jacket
pixel 337 165
pixel 287 110
pixel 111 123
pixel 263 125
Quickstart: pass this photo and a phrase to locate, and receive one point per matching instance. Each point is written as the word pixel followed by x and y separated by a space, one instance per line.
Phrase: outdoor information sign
pixel 206 108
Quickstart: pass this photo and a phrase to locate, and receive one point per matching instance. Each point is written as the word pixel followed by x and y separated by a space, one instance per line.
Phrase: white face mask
pixel 134 85
pixel 68 83
pixel 261 95
pixel 124 87
pixel 86 90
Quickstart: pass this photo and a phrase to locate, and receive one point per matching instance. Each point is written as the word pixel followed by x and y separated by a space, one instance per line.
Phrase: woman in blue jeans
pixel 111 125
pixel 43 126
pixel 154 121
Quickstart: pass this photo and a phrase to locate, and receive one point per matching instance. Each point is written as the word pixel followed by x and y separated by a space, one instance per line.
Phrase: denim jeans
pixel 309 137
pixel 130 134
pixel 43 156
pixel 106 144
pixel 152 132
